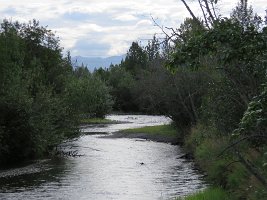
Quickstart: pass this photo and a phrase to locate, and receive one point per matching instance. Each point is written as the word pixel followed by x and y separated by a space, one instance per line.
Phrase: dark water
pixel 109 169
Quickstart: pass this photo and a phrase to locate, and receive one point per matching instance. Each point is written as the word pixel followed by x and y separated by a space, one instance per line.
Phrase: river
pixel 107 168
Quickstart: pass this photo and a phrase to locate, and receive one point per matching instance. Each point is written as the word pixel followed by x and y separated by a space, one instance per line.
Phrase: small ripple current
pixel 119 168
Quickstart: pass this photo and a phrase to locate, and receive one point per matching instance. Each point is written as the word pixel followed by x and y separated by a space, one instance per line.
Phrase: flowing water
pixel 121 168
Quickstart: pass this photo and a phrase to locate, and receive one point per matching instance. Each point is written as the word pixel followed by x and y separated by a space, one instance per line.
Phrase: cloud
pixel 104 27
pixel 10 11
pixel 126 17
pixel 87 46
pixel 76 16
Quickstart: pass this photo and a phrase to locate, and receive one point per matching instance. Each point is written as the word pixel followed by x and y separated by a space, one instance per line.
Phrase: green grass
pixel 167 130
pixel 208 194
pixel 96 121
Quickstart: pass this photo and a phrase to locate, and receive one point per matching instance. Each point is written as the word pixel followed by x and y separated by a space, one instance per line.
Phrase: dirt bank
pixel 172 139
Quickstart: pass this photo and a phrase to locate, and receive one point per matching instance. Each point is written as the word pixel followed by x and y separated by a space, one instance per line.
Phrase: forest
pixel 42 97
pixel 208 76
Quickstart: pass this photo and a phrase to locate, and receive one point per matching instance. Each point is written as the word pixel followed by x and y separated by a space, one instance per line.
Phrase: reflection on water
pixel 110 169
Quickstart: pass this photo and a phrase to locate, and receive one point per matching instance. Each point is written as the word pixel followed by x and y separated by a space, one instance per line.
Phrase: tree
pixel 152 49
pixel 178 96
pixel 122 82
pixel 88 94
pixel 245 16
pixel 233 56
pixel 34 113
pixel 208 11
pixel 136 59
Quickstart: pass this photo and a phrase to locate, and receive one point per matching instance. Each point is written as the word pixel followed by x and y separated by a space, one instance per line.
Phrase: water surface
pixel 108 169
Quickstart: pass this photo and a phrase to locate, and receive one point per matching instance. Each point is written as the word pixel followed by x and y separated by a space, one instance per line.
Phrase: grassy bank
pixel 224 173
pixel 208 194
pixel 164 130
pixel 162 133
pixel 226 170
pixel 96 121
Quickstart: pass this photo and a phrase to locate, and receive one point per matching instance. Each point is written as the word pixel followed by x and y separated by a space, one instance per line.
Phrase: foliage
pixel 89 95
pixel 206 156
pixel 168 130
pixel 15 134
pixel 233 53
pixel 209 194
pixel 254 121
pixel 162 133
pixel 121 82
pixel 234 57
pixel 40 94
pixel 136 59
pixel 153 49
pixel 213 85
pixel 176 96
pixel 34 114
pixel 224 170
pixel 244 14
pixel 96 121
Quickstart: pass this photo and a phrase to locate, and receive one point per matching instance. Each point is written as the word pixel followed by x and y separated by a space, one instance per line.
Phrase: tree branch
pixel 239 141
pixel 162 29
pixel 251 169
pixel 208 10
pixel 204 14
pixel 191 13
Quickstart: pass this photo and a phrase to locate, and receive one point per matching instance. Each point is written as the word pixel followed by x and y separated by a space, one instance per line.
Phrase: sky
pixel 103 28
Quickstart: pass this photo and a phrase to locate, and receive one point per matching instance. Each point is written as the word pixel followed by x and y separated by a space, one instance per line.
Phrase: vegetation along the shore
pixel 97 121
pixel 161 133
pixel 42 97
pixel 214 89
pixel 208 194
pixel 167 130
pixel 208 76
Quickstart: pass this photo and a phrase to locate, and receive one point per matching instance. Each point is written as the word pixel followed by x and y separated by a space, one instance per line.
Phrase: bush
pixel 90 96
pixel 206 144
pixel 34 113
pixel 16 137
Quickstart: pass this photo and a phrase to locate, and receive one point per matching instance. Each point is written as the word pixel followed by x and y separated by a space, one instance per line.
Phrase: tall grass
pixel 208 194
pixel 168 130
pixel 96 121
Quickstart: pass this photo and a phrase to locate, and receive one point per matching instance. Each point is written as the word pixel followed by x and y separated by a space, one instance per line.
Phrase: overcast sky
pixel 105 27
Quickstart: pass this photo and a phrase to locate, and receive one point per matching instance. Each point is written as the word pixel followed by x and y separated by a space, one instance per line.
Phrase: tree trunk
pixel 191 13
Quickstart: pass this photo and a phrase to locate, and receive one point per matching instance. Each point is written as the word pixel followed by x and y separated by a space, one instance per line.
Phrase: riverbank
pixel 208 194
pixel 161 133
pixel 226 168
pixel 224 173
pixel 97 121
pixel 142 169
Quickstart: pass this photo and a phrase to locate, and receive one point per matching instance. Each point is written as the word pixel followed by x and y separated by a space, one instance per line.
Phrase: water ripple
pixel 111 169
